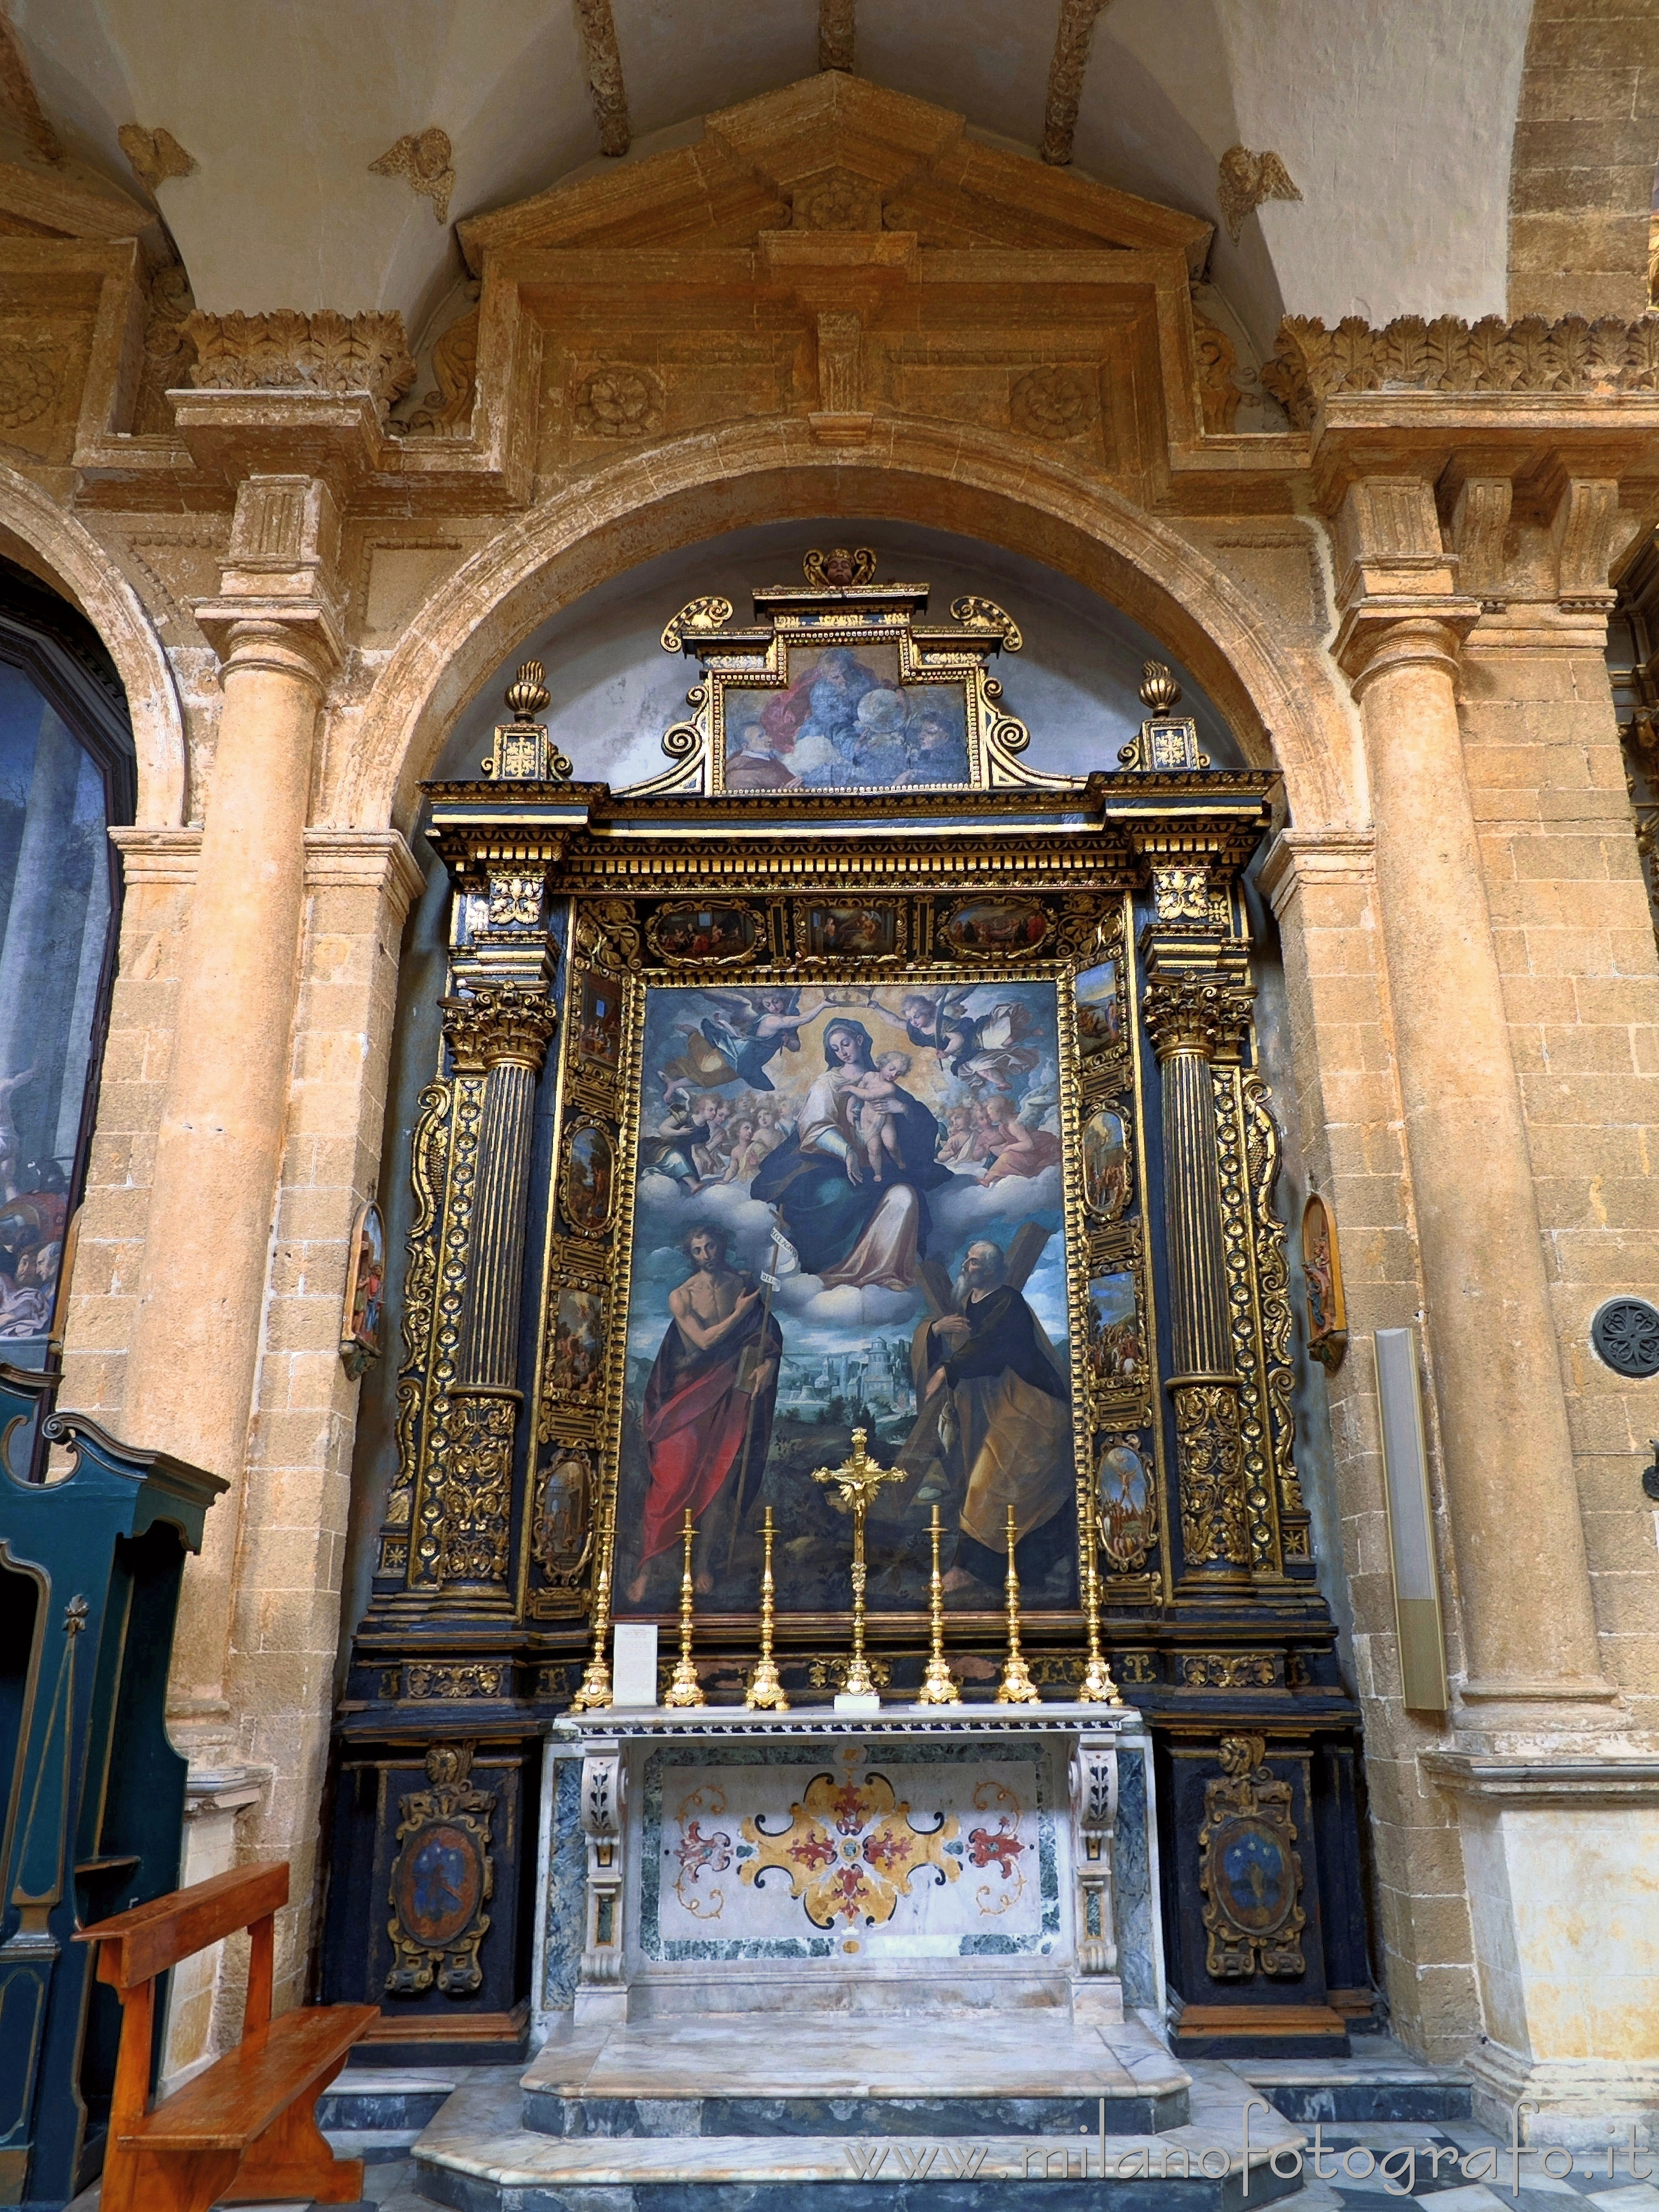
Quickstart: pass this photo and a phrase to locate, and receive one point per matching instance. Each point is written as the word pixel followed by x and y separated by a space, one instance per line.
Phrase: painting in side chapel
pixel 848 1214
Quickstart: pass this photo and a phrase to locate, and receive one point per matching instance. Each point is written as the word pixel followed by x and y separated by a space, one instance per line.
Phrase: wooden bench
pixel 245 2128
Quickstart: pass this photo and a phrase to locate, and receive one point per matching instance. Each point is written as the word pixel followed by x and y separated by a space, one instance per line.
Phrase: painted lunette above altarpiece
pixel 880 1096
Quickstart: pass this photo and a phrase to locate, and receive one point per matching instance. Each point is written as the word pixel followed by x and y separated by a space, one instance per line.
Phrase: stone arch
pixel 1284 706
pixel 1581 175
pixel 74 562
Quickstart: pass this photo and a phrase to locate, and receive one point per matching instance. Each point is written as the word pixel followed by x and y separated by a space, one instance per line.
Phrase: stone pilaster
pixel 201 1292
pixel 1528 1628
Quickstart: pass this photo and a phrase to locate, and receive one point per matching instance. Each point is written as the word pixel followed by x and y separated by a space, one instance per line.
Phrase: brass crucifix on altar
pixel 858 1480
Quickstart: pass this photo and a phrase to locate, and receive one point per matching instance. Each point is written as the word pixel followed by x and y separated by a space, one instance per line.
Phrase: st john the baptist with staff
pixel 847 1223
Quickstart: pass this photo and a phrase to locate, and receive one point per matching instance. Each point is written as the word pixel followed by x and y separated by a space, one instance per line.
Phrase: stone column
pixel 1528 1628
pixel 202 1287
pixel 463 1538
pixel 1189 1002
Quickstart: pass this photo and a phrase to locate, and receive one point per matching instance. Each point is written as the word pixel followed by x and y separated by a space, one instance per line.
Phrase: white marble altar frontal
pixel 755 1852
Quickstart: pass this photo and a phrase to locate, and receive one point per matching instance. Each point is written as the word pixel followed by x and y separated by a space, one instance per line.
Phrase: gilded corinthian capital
pixel 499 1025
pixel 1195 1013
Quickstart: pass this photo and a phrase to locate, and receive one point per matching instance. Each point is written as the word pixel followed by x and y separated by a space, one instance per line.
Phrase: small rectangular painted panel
pixel 846 718
pixel 849 1854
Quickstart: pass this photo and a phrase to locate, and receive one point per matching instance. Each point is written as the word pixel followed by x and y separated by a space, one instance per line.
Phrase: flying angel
pixel 734 1043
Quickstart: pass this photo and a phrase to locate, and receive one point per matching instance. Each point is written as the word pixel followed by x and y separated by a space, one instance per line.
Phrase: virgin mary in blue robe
pixel 846 1226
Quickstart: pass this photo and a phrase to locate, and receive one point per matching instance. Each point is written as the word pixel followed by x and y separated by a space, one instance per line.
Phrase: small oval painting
pixel 1007 927
pixel 440 1884
pixel 1124 1495
pixel 1106 1164
pixel 590 1176
pixel 1259 1892
pixel 559 1537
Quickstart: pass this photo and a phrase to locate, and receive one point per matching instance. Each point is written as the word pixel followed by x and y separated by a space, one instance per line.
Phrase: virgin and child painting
pixel 851 1217
pixel 845 721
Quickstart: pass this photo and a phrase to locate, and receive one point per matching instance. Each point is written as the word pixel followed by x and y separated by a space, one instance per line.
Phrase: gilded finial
pixel 527 694
pixel 1160 694
pixel 522 752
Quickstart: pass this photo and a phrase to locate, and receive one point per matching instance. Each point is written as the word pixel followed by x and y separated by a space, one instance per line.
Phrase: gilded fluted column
pixel 201 1290
pixel 1188 1007
pixel 1529 1627
pixel 462 1544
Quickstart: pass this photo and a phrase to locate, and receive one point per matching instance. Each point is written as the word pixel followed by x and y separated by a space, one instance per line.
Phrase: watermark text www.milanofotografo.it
pixel 1154 2158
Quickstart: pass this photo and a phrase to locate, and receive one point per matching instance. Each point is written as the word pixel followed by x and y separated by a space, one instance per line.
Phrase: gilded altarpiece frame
pixel 558 1136
pixel 788 907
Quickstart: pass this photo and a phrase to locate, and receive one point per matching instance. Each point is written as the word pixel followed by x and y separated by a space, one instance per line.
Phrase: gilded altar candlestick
pixel 857 1478
pixel 1097 1687
pixel 938 1684
pixel 684 1688
pixel 1016 1687
pixel 595 1691
pixel 764 1688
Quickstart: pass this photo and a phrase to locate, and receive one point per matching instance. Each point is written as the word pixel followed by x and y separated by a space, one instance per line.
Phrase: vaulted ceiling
pixel 1393 120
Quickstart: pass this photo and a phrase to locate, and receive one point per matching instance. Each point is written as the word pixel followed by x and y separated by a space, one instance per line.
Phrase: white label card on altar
pixel 633 1664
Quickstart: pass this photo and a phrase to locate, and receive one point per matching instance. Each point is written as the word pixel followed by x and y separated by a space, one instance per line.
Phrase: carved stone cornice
pixel 369 859
pixel 1298 857
pixel 1310 363
pixel 497 1025
pixel 322 352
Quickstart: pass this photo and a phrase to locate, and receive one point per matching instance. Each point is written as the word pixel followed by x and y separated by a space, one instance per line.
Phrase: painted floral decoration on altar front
pixel 851 1851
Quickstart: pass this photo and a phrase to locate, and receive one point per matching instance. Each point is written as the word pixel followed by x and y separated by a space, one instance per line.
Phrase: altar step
pixel 1008 2073
pixel 724 2114
pixel 477 2156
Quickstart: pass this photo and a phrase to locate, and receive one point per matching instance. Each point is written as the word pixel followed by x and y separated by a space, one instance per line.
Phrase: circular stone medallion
pixel 1626 1334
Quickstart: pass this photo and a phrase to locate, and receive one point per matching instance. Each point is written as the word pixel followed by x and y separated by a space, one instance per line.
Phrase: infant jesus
pixel 878 1122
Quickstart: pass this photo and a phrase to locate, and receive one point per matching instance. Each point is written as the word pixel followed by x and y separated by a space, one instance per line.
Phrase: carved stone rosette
pixel 1196 1000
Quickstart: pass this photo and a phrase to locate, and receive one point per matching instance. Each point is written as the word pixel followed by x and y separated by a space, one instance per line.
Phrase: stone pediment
pixel 835 154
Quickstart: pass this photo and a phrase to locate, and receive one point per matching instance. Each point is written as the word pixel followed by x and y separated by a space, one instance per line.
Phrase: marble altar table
pixel 918 1860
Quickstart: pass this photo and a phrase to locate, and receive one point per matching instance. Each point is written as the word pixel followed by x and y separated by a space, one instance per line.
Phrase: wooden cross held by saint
pixel 858 1480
